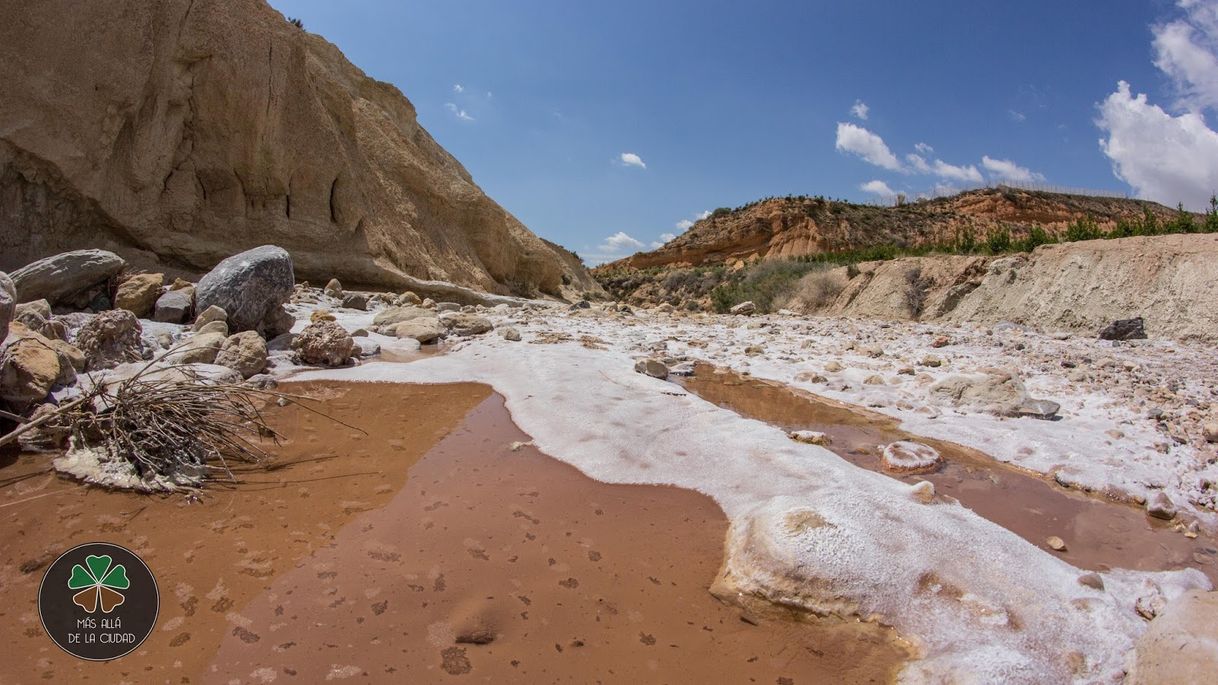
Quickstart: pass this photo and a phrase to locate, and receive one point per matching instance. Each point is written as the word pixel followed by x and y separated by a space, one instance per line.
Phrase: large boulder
pixel 174 306
pixel 64 277
pixel 425 330
pixel 992 390
pixel 8 303
pixel 1124 329
pixel 1181 645
pixel 29 366
pixel 251 287
pixel 139 293
pixel 244 352
pixel 323 343
pixel 395 315
pixel 110 338
pixel 466 324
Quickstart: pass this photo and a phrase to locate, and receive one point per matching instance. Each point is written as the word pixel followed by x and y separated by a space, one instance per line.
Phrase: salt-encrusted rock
pixel 210 314
pixel 110 338
pixel 174 306
pixel 832 367
pixel 244 352
pixel 1160 506
pixel 365 347
pixel 139 293
pixel 1091 580
pixel 8 303
pixel 1038 409
pixel 251 287
pixel 652 367
pixel 323 343
pixel 425 330
pixel 992 390
pixel 923 491
pixel 333 288
pixel 29 366
pixel 1056 544
pixel 685 369
pixel 447 307
pixel 1181 645
pixel 200 348
pixel 510 333
pixel 321 315
pixel 1124 329
pixel 357 301
pixel 905 456
pixel 810 437
pixel 393 315
pixel 463 324
pixel 744 308
pixel 66 276
pixel 214 327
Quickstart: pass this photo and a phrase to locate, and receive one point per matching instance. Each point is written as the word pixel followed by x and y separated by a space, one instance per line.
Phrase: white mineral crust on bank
pixel 979 603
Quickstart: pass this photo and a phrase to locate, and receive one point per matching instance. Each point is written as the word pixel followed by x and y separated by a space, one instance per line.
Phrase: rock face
pixel 250 287
pixel 61 277
pixel 220 126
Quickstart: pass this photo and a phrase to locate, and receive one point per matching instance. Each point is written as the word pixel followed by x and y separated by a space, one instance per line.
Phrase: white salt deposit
pixel 907 456
pixel 808 528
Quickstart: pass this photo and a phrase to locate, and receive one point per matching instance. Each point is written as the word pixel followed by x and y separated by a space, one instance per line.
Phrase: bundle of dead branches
pixel 174 421
pixel 167 423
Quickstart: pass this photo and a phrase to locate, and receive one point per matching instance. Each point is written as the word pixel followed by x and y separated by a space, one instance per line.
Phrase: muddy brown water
pixel 424 550
pixel 1099 533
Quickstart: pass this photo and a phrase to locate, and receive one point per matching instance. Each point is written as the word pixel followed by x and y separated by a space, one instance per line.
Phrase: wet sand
pixel 502 565
pixel 1099 533
pixel 213 556
pixel 403 555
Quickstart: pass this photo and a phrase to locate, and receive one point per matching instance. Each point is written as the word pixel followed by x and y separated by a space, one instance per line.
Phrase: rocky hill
pixel 780 228
pixel 179 132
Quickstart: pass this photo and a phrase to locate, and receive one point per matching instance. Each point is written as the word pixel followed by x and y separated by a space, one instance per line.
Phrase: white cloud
pixel 616 246
pixel 924 149
pixel 967 174
pixel 1016 116
pixel 631 159
pixel 684 224
pixel 877 187
pixel 859 141
pixel 1006 170
pixel 1165 156
pixel 458 88
pixel 860 110
pixel 664 238
pixel 458 112
pixel 1185 50
pixel 619 242
pixel 918 163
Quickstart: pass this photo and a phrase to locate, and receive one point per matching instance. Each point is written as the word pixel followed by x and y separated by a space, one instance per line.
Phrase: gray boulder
pixel 66 276
pixel 251 287
pixel 174 306
pixel 744 308
pixel 466 324
pixel 355 301
pixel 424 330
pixel 1124 329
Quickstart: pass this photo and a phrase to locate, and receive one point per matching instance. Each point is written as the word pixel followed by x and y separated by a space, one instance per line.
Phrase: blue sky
pixel 604 126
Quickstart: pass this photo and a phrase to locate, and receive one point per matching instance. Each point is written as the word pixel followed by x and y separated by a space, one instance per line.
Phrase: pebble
pixel 1056 544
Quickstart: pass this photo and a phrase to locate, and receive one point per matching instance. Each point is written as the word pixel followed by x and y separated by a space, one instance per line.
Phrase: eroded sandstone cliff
pixel 183 131
pixel 782 228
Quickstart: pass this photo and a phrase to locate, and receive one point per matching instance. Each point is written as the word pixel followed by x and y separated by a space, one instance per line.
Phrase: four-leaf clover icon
pixel 98 583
